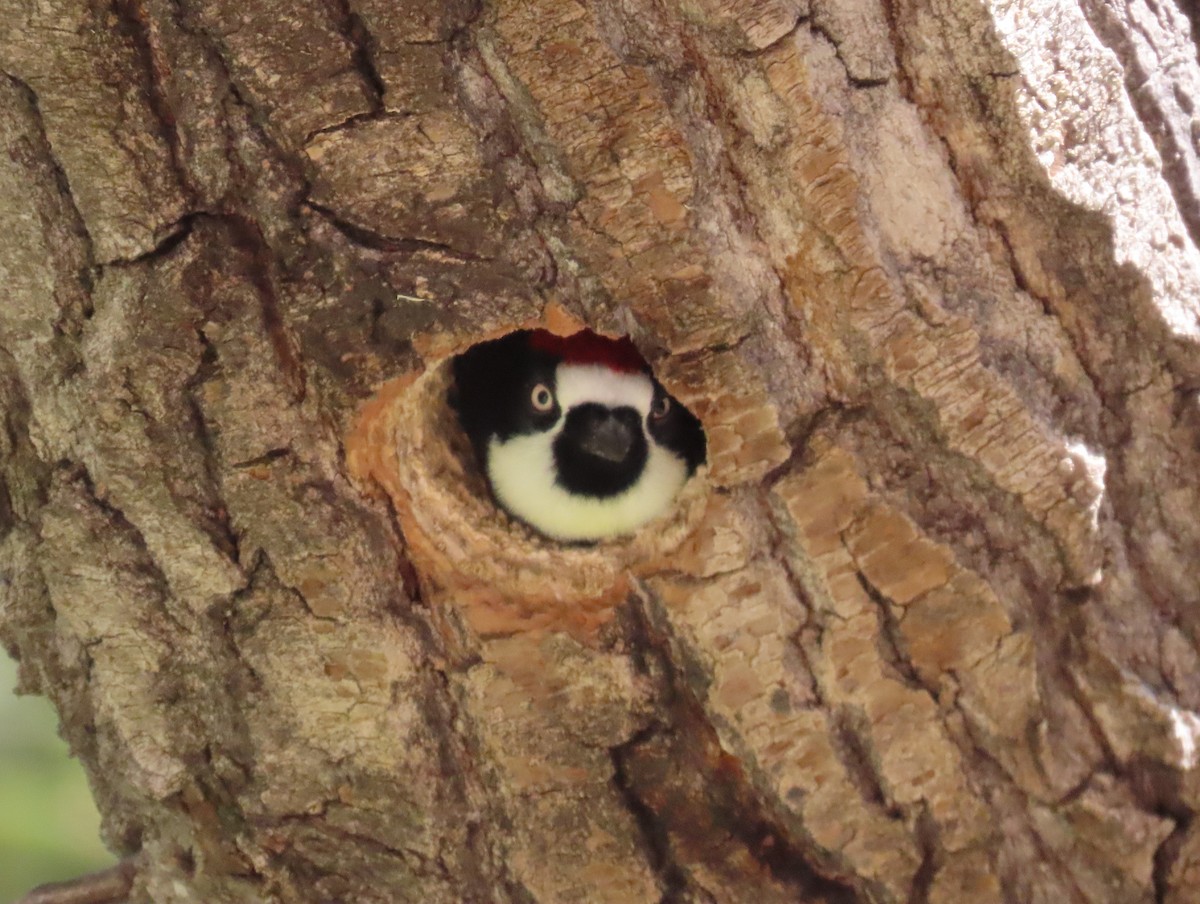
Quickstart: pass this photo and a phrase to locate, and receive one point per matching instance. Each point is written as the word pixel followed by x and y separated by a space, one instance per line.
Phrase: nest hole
pixel 506 575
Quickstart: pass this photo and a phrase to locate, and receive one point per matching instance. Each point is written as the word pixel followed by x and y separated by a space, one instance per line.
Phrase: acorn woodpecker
pixel 575 435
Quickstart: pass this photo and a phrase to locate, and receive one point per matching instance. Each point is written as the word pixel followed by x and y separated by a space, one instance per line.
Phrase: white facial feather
pixel 579 383
pixel 523 475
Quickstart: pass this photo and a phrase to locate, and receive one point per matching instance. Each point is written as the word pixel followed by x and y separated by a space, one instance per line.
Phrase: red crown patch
pixel 586 347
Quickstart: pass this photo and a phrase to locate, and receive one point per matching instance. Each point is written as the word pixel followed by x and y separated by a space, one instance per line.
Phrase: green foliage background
pixel 49 828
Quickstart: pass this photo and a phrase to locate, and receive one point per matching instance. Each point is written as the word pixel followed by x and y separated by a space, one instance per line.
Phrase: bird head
pixel 576 436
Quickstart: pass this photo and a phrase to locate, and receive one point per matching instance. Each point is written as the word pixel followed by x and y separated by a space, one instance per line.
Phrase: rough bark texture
pixel 926 628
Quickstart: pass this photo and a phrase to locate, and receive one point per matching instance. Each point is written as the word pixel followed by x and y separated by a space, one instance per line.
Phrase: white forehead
pixel 579 383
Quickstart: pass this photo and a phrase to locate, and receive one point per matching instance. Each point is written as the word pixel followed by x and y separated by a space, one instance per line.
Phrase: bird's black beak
pixel 600 451
pixel 607 434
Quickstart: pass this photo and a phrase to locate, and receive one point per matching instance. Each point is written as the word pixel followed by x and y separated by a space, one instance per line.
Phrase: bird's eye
pixel 661 406
pixel 542 398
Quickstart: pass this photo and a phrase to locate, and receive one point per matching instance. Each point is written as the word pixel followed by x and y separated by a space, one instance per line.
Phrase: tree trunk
pixel 925 629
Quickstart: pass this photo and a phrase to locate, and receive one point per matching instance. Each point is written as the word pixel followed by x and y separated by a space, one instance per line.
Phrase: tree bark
pixel 926 627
